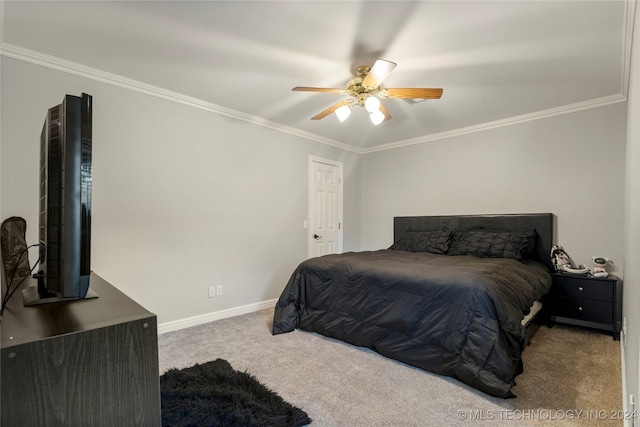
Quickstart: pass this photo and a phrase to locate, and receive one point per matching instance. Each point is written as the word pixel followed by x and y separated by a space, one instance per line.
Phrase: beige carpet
pixel 574 372
pixel 572 378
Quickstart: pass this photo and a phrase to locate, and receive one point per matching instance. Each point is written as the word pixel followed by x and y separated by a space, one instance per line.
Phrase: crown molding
pixel 55 63
pixel 552 112
pixel 59 64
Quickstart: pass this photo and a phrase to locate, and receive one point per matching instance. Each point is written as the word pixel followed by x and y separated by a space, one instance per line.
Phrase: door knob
pixel 315 236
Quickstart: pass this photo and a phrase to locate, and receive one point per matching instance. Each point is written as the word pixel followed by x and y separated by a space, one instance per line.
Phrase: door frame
pixel 311 201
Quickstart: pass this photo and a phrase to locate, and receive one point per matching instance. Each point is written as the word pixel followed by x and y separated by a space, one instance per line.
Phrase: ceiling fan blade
pixel 384 111
pixel 430 93
pixel 378 73
pixel 331 109
pixel 319 89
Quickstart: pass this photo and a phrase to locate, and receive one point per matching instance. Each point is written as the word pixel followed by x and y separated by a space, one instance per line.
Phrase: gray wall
pixel 570 165
pixel 632 224
pixel 183 198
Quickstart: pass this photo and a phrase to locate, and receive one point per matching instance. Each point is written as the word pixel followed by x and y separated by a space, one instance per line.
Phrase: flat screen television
pixel 65 204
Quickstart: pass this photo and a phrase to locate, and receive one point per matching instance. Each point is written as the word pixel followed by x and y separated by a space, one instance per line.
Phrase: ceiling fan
pixel 365 91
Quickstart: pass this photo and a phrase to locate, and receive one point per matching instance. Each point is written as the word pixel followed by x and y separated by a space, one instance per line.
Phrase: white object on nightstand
pixel 599 269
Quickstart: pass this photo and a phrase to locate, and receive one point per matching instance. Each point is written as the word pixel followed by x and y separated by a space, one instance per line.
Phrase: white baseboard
pixel 629 412
pixel 188 322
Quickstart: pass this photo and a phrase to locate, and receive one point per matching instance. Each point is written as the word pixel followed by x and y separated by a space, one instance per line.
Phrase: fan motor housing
pixel 355 86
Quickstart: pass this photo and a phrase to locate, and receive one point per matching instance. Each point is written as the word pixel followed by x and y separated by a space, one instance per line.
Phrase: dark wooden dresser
pixel 588 301
pixel 90 362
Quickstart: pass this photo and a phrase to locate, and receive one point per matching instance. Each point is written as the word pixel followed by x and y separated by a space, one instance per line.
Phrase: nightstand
pixel 588 301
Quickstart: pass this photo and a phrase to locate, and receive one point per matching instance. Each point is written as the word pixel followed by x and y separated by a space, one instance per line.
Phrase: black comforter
pixel 453 315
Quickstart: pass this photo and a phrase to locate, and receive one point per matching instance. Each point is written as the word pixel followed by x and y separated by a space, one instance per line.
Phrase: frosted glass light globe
pixel 372 104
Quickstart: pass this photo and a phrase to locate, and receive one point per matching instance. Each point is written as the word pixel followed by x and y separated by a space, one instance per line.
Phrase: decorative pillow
pixel 491 244
pixel 435 242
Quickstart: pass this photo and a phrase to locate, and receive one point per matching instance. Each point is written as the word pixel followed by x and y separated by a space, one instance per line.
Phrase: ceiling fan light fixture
pixel 343 112
pixel 376 117
pixel 372 104
pixel 365 91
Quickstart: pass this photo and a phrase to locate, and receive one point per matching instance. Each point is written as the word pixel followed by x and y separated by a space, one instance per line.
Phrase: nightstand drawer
pixel 593 302
pixel 585 289
pixel 583 309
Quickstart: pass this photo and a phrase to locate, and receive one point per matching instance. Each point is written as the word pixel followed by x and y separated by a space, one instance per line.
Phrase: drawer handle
pixel 579 308
pixel 581 289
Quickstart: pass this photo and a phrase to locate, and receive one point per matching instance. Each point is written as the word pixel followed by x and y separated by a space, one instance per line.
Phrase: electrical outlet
pixel 219 290
pixel 212 291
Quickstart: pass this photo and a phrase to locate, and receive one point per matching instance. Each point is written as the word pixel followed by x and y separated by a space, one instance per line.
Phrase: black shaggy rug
pixel 216 395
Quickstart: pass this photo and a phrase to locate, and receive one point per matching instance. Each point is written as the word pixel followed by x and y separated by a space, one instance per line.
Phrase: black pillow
pixel 492 244
pixel 435 242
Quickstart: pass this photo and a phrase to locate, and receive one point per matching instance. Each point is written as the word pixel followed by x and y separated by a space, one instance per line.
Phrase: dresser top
pixel 20 325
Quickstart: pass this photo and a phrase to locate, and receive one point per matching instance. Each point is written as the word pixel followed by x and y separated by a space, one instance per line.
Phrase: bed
pixel 450 296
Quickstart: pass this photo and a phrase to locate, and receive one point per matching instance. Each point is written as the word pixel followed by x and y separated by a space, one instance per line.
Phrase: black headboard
pixel 542 223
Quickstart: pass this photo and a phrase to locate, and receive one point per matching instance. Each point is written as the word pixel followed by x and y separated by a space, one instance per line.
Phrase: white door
pixel 325 207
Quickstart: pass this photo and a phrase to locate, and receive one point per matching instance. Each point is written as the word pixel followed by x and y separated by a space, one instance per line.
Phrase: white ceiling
pixel 497 61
